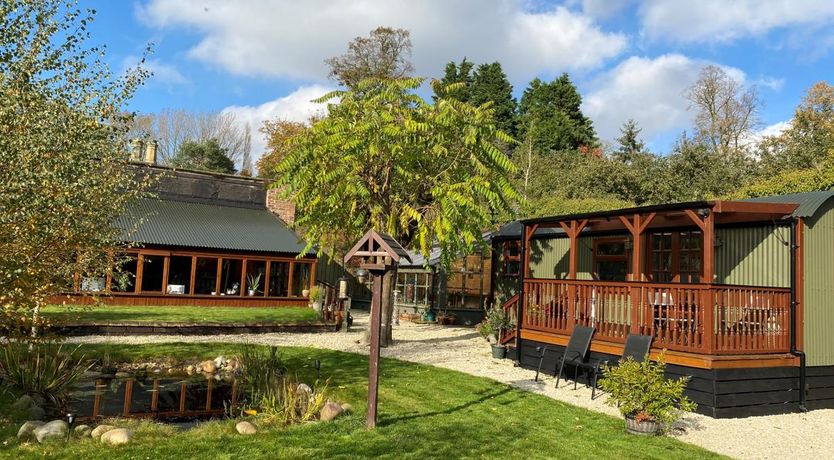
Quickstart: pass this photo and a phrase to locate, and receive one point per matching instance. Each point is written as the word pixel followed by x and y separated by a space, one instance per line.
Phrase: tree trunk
pixel 386 336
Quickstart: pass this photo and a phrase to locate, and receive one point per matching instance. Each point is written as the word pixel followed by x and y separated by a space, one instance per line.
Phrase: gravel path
pixel 794 436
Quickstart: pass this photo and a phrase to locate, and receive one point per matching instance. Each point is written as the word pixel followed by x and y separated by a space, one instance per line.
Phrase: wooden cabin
pixel 207 239
pixel 739 294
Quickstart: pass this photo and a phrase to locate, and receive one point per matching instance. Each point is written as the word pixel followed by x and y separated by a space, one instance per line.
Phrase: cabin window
pixel 611 259
pixel 153 269
pixel 205 276
pixel 255 277
pixel 413 288
pixel 675 257
pixel 300 278
pixel 124 277
pixel 179 275
pixel 231 276
pixel 279 275
pixel 512 258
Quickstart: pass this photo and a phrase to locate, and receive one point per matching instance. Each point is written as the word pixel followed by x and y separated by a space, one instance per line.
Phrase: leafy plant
pixel 641 391
pixel 261 370
pixel 495 321
pixel 42 369
pixel 316 294
pixel 287 403
pixel 253 281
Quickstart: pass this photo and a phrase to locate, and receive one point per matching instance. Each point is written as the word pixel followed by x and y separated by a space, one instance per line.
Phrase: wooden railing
pixel 696 318
pixel 510 308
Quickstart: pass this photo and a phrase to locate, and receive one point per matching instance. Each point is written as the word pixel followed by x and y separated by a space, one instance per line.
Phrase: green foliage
pixel 62 154
pixel 551 118
pixel 205 155
pixel 384 53
pixel 459 75
pixel 383 158
pixel 629 144
pixel 491 85
pixel 641 390
pixel 262 370
pixel 812 179
pixel 43 369
pixel 495 321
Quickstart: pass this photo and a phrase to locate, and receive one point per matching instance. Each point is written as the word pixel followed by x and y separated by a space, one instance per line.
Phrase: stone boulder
pixel 303 389
pixel 330 411
pixel 27 430
pixel 117 436
pixel 23 403
pixel 100 430
pixel 246 428
pixel 56 429
pixel 208 367
pixel 347 408
pixel 82 431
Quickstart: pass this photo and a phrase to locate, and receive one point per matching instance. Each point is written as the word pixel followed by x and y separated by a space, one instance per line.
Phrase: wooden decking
pixel 699 325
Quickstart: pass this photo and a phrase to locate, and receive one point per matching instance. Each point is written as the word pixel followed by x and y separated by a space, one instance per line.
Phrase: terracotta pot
pixel 643 427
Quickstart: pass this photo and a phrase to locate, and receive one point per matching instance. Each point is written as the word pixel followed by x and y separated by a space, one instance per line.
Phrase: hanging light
pixel 344 288
pixel 362 275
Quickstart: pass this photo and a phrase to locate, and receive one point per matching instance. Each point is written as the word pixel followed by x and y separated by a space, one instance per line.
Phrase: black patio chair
pixel 637 347
pixel 576 352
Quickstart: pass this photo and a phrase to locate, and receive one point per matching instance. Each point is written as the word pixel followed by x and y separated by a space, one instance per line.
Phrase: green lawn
pixel 425 412
pixel 180 314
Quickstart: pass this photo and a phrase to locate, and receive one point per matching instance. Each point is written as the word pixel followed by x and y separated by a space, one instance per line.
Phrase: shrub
pixel 42 369
pixel 641 391
pixel 261 370
pixel 495 321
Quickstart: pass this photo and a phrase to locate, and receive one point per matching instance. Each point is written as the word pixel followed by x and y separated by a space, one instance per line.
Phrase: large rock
pixel 208 367
pixel 329 411
pixel 246 428
pixel 117 437
pixel 100 430
pixel 23 403
pixel 56 429
pixel 27 430
pixel 347 408
pixel 82 431
pixel 303 389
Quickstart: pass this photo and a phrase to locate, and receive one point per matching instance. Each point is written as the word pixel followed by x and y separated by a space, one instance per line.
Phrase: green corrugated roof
pixel 809 202
pixel 198 225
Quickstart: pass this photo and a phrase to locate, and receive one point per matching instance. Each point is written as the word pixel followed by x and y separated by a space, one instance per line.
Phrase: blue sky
pixel 263 59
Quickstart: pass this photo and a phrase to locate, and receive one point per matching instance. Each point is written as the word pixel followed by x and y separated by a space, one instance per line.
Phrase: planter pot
pixel 305 293
pixel 429 316
pixel 251 293
pixel 643 428
pixel 499 351
pixel 317 308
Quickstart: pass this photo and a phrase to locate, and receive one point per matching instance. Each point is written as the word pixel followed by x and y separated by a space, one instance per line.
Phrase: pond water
pixel 170 397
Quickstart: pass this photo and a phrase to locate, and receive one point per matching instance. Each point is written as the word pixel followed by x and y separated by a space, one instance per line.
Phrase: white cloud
pixel 716 21
pixel 775 84
pixel 290 39
pixel 651 91
pixel 603 9
pixel 296 106
pixel 770 130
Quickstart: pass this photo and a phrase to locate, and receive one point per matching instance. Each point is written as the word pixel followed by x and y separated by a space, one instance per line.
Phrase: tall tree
pixel 62 155
pixel 726 112
pixel 550 116
pixel 490 84
pixel 279 137
pixel 384 158
pixel 171 128
pixel 629 144
pixel 385 53
pixel 458 74
pixel 205 155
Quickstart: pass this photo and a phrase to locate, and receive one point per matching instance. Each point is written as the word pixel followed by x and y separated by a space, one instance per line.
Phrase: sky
pixel 264 59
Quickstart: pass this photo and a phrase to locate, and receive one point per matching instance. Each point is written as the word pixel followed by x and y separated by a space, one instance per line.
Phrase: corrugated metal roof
pixel 199 225
pixel 809 202
pixel 512 230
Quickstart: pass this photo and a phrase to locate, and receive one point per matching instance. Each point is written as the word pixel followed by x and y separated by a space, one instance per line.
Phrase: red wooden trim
pixel 627 222
pixel 800 283
pixel 696 219
pixel 645 224
pixel 753 207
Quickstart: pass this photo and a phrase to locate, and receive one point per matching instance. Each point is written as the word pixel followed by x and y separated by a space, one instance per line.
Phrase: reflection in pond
pixel 165 398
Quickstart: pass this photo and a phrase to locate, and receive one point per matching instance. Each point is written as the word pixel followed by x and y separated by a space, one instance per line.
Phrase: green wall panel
pixel 819 287
pixel 755 256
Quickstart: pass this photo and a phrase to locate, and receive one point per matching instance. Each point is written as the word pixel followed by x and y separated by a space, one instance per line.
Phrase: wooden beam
pixel 267 272
pixel 696 219
pixel 754 207
pixel 140 268
pixel 193 277
pixel 289 279
pixel 646 222
pixel 166 264
pixel 217 276
pixel 627 222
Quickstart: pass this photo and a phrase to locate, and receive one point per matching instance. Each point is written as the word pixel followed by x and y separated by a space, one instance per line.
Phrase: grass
pixel 179 314
pixel 424 412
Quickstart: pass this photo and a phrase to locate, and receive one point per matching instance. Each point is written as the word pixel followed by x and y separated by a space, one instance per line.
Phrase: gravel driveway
pixel 793 436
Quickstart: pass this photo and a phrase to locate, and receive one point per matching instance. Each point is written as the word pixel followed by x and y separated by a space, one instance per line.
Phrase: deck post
pixel 522 299
pixel 573 229
pixel 636 227
pixel 709 275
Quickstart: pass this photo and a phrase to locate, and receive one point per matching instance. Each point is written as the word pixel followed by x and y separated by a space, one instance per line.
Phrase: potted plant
pixel 253 282
pixel 495 322
pixel 316 296
pixel 649 401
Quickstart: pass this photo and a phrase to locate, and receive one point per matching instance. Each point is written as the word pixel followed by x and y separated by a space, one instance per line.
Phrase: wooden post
pixel 243 287
pixel 289 279
pixel 267 273
pixel 573 230
pixel 522 298
pixel 373 361
pixel 140 268
pixel 313 274
pixel 166 265
pixel 217 275
pixel 636 226
pixel 193 277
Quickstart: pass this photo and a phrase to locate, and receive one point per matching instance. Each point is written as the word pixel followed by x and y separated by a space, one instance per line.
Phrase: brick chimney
pixel 150 152
pixel 137 150
pixel 282 207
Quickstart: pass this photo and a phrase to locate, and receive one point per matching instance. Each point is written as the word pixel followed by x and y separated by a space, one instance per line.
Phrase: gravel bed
pixel 795 436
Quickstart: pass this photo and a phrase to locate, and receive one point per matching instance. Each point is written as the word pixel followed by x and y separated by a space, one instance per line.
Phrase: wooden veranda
pixel 699 322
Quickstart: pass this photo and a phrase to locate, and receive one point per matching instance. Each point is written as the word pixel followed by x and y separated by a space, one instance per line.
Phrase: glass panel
pixel 255 271
pixel 612 270
pixel 279 273
pixel 230 277
pixel 205 277
pixel 179 275
pixel 124 279
pixel 152 270
pixel 300 278
pixel 615 248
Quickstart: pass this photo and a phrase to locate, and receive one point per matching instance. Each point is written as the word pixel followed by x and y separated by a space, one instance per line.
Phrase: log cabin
pixel 739 295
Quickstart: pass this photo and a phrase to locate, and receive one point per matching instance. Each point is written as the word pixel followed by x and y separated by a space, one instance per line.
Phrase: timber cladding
pixel 722 393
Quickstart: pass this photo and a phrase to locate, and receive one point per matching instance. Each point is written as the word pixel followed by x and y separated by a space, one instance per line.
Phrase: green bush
pixel 495 321
pixel 42 369
pixel 641 391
